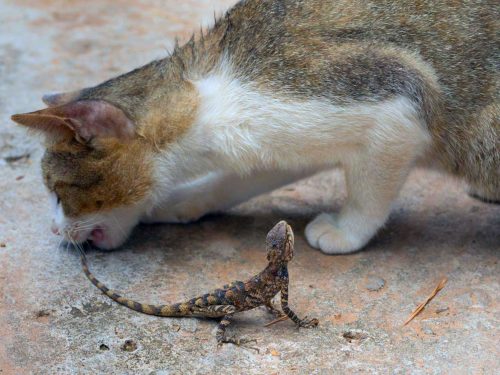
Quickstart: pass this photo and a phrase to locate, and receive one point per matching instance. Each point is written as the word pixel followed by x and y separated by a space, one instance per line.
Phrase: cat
pixel 275 91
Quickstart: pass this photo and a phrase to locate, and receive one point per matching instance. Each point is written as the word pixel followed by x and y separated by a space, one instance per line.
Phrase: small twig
pixel 280 319
pixel 420 307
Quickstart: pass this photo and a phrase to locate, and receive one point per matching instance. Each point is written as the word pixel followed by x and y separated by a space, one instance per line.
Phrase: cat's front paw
pixel 325 233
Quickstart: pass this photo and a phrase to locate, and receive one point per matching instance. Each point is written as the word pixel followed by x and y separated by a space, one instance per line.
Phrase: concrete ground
pixel 52 320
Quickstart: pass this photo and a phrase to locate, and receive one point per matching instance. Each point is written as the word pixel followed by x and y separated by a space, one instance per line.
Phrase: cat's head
pixel 96 167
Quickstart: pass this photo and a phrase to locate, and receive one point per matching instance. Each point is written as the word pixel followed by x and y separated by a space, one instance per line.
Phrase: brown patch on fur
pixel 169 116
pixel 90 179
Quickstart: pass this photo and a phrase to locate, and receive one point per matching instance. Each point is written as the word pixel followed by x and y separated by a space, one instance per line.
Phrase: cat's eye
pixel 58 200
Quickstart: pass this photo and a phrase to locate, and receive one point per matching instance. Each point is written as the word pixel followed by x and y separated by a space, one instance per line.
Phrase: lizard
pixel 235 297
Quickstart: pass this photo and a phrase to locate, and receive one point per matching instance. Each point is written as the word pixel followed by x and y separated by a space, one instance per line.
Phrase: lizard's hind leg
pixel 273 310
pixel 223 339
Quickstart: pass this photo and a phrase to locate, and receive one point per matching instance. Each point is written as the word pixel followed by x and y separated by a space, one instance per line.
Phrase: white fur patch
pixel 250 129
pixel 116 224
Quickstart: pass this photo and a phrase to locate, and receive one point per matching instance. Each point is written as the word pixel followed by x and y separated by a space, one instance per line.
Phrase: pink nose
pixel 54 229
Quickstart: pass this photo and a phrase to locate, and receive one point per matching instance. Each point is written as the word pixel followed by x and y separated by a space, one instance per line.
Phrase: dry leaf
pixel 420 307
pixel 280 319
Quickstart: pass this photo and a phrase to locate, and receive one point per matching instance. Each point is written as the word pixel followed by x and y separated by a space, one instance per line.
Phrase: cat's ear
pixel 84 120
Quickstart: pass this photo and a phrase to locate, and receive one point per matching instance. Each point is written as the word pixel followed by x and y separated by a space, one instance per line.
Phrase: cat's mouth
pixel 97 235
pixel 105 231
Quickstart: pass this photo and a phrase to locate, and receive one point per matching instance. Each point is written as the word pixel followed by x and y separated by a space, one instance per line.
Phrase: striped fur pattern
pixel 232 298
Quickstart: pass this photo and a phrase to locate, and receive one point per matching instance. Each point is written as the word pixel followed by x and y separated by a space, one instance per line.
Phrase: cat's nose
pixel 55 229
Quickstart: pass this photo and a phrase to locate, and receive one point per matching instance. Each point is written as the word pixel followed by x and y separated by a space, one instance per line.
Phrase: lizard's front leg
pixel 306 323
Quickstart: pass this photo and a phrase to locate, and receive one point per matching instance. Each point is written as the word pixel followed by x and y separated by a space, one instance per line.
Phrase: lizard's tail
pixel 177 309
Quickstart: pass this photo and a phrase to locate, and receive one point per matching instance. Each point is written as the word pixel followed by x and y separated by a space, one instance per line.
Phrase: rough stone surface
pixel 375 283
pixel 52 320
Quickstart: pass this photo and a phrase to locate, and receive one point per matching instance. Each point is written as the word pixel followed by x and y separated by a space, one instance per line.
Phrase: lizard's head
pixel 279 243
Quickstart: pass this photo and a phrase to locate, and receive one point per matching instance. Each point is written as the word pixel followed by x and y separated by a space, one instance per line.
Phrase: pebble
pixel 375 283
pixel 442 310
pixel 428 331
pixel 129 346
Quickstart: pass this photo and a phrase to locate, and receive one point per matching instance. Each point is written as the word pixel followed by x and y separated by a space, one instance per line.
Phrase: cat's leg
pixel 374 176
pixel 216 192
pixel 371 187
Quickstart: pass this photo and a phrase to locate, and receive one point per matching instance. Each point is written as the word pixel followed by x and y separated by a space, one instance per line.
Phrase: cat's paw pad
pixel 323 233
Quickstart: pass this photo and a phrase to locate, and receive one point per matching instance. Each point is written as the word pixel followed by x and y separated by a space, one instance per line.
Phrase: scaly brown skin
pixel 235 297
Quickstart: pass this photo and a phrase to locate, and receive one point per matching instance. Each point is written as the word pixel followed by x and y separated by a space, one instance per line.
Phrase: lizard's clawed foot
pixel 308 323
pixel 242 342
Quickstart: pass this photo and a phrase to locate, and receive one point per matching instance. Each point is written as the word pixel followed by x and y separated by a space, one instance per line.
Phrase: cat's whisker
pixel 79 228
pixel 118 224
pixel 86 224
pixel 82 223
pixel 83 227
pixel 73 242
pixel 59 243
pixel 81 251
pixel 67 247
